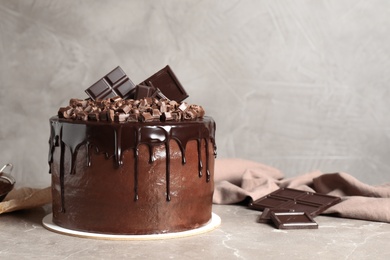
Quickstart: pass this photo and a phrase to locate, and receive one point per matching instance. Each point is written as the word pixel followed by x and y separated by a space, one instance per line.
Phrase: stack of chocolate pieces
pixel 292 209
pixel 162 84
pixel 115 98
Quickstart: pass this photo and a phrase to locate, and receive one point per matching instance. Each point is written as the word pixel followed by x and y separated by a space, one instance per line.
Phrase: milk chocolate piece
pixel 115 83
pixel 166 81
pixel 293 220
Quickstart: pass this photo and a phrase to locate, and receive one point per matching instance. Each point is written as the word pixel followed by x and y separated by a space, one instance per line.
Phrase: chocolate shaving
pixel 116 109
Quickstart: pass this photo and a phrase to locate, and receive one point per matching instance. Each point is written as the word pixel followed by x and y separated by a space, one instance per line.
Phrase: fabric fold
pixel 237 179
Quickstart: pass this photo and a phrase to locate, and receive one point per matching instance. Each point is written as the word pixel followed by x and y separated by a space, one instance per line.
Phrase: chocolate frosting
pixel 113 138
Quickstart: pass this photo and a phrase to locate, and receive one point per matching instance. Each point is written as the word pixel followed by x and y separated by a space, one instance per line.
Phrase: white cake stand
pixel 209 226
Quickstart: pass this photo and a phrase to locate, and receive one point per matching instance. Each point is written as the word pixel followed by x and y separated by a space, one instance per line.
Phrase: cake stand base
pixel 211 225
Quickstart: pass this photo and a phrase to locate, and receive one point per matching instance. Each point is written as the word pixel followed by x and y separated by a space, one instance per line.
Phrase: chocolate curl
pixel 146 117
pixel 189 114
pixel 133 118
pixel 163 107
pixel 120 110
pixel 103 116
pixel 93 116
pixel 62 112
pixel 176 116
pixel 183 106
pixel 166 116
pixel 121 117
pixel 82 116
pixel 75 102
pixel 124 109
pixel 115 99
pixel 156 114
pixel 111 115
pixel 88 109
pixel 198 110
pixel 173 104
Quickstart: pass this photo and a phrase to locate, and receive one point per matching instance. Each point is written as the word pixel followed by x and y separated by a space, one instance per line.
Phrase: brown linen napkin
pixel 25 198
pixel 236 179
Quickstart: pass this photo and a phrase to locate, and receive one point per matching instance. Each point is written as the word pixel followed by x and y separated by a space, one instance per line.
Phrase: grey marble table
pixel 22 236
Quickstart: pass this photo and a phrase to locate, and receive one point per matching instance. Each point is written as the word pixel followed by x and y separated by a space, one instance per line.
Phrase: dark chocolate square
pixel 293 220
pixel 167 82
pixel 124 89
pixel 115 75
pixel 268 202
pixel 296 200
pixel 289 193
pixel 265 217
pixel 142 91
pixel 115 83
pixel 323 199
pixel 312 209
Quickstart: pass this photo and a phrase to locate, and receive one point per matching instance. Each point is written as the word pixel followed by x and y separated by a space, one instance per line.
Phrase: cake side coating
pixel 132 177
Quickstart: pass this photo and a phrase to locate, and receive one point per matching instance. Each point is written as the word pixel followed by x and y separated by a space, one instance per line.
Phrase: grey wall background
pixel 299 85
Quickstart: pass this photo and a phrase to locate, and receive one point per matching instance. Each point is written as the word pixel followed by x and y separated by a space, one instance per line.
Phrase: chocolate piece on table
pixel 115 83
pixel 293 220
pixel 268 202
pixel 265 217
pixel 166 81
pixel 313 209
pixel 297 200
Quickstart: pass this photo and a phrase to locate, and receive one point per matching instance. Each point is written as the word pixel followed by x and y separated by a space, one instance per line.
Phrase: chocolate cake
pixel 121 165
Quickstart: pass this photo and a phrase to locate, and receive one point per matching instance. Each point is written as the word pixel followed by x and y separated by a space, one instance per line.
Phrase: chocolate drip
pixel 62 189
pixel 112 139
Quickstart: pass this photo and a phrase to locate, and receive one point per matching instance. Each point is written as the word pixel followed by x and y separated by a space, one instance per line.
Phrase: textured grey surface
pixel 299 85
pixel 23 237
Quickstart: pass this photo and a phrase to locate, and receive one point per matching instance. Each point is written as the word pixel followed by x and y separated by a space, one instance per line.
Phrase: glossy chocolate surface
pixel 133 177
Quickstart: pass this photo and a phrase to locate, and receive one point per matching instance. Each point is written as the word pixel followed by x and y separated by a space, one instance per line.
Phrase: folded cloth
pixel 237 179
pixel 25 198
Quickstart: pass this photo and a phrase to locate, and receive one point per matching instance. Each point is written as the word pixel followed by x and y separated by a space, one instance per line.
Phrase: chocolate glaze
pixel 112 139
